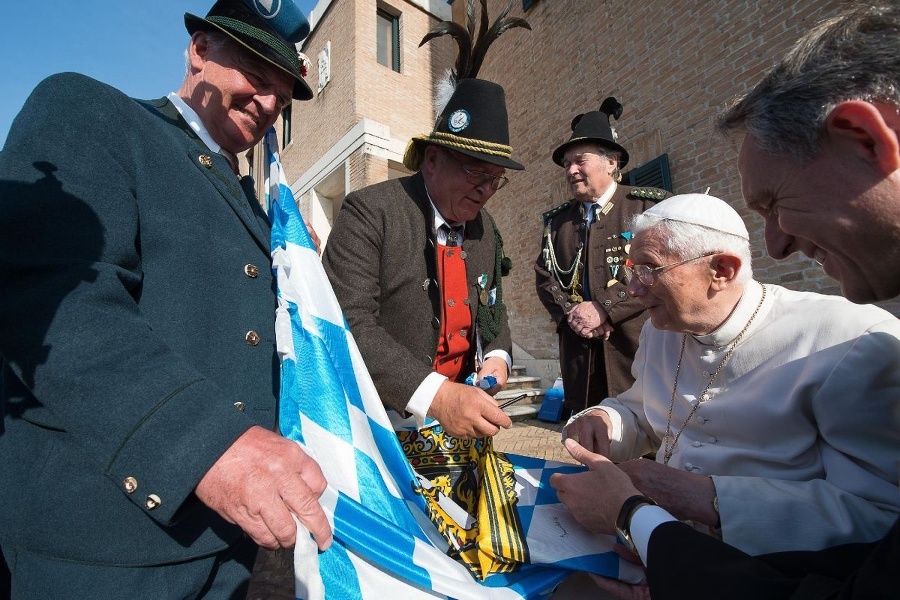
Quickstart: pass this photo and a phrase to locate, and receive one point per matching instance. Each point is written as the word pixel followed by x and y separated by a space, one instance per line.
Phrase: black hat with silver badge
pixel 472 117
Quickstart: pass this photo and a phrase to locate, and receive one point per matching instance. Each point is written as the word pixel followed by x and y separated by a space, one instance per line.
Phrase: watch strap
pixel 623 521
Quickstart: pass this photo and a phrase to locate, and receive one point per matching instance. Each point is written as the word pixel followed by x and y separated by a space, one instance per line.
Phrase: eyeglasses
pixel 479 177
pixel 648 275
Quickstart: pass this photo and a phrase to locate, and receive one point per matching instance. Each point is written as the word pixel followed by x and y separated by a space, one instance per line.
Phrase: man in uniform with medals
pixel 580 277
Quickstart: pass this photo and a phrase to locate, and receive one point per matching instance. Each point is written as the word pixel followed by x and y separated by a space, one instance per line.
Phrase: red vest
pixel 456 318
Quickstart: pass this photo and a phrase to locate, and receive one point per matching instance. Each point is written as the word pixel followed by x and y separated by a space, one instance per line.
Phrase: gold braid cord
pixel 481 483
pixel 414 154
pixel 463 143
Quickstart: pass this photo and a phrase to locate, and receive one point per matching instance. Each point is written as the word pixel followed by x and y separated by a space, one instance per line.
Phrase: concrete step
pixel 524 409
pixel 522 412
pixel 533 394
pixel 521 382
pixel 518 370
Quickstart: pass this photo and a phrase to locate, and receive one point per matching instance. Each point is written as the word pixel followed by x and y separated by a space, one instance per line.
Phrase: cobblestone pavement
pixel 273 573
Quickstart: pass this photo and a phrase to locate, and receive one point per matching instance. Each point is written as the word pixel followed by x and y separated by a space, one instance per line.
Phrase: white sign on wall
pixel 324 66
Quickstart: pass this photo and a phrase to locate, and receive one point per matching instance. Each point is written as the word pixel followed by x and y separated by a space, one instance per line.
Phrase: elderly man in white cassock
pixel 772 413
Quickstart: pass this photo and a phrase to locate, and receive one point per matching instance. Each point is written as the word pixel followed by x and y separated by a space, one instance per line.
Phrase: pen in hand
pixel 512 400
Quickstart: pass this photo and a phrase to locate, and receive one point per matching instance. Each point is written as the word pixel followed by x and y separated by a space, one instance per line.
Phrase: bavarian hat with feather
pixel 472 117
pixel 268 29
pixel 594 127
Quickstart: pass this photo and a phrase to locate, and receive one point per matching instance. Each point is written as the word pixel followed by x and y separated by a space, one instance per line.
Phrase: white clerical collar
pixel 737 320
pixel 599 202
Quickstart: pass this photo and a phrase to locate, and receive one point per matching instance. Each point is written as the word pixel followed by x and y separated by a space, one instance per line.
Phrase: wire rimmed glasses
pixel 648 275
pixel 480 177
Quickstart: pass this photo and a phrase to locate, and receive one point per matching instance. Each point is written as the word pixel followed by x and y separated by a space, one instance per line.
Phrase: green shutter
pixel 654 173
pixel 395 38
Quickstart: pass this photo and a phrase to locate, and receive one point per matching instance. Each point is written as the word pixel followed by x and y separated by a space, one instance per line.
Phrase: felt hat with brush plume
pixel 472 116
pixel 594 127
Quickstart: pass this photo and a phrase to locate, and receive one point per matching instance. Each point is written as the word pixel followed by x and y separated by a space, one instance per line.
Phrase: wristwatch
pixel 623 522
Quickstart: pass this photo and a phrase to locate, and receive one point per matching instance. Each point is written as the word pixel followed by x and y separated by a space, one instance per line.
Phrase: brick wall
pixel 331 113
pixel 403 100
pixel 673 64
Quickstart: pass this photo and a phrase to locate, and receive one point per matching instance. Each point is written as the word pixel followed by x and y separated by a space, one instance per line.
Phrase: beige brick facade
pixel 672 63
pixel 355 129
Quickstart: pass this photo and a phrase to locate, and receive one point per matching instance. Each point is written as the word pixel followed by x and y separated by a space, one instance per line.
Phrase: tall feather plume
pixel 472 50
pixel 611 107
pixel 470 19
pixel 486 37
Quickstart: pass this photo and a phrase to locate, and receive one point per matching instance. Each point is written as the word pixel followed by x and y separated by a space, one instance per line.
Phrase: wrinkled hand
pixel 259 482
pixel 592 431
pixel 594 497
pixel 466 411
pixel 496 367
pixel 686 495
pixel 589 320
pixel 315 238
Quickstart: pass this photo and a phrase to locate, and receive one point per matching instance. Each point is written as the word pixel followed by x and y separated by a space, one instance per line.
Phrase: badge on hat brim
pixel 459 120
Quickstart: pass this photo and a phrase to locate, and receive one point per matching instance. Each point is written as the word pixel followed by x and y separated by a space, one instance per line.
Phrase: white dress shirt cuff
pixel 423 397
pixel 504 355
pixel 644 520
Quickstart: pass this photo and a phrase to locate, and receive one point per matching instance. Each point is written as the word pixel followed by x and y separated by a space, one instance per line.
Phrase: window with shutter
pixel 654 173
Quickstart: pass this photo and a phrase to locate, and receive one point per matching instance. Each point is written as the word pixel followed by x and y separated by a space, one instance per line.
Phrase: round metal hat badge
pixel 459 120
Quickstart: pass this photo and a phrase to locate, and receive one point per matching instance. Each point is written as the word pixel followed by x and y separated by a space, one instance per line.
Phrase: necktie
pixel 452 234
pixel 592 215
